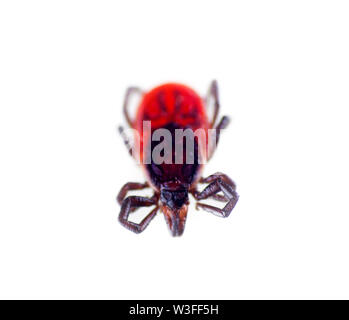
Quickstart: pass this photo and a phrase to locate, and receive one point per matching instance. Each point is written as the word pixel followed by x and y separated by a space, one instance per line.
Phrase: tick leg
pixel 213 92
pixel 221 176
pixel 125 139
pixel 132 203
pixel 218 182
pixel 217 197
pixel 223 123
pixel 129 92
pixel 130 186
pixel 220 126
pixel 214 177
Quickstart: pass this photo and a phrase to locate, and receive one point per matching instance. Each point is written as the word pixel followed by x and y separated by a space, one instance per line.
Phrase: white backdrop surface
pixel 282 68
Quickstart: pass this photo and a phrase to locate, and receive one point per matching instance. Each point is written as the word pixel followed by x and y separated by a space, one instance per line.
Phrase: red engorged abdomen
pixel 171 103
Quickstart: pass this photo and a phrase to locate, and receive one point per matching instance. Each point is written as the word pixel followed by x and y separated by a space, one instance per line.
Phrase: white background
pixel 283 72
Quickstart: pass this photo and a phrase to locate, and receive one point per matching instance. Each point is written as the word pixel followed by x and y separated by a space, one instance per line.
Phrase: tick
pixel 174 108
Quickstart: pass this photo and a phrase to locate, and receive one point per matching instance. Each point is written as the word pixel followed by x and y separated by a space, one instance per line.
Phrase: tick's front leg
pixel 218 182
pixel 132 203
pixel 130 186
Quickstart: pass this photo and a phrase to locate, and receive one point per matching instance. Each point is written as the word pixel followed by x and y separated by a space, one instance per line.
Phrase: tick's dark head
pixel 174 201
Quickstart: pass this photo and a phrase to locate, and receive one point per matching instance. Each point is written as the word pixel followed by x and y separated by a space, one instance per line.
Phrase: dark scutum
pixel 181 173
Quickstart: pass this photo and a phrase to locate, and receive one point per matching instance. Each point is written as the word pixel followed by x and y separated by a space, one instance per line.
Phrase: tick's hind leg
pixel 222 124
pixel 129 92
pixel 218 182
pixel 213 93
pixel 126 140
pixel 129 205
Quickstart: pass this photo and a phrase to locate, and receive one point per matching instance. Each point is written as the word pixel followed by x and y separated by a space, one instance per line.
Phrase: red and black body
pixel 175 106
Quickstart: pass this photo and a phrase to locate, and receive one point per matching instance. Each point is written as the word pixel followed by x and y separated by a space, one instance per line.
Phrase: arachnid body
pixel 174 107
